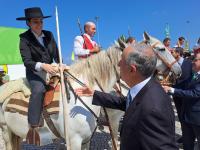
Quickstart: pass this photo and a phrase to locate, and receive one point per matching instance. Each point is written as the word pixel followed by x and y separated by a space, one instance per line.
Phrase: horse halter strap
pixel 165 61
pixel 169 66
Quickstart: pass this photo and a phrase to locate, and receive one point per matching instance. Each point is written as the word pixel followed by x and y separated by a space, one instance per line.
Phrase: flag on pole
pixel 72 57
pixel 186 46
pixel 167 30
pixel 9 46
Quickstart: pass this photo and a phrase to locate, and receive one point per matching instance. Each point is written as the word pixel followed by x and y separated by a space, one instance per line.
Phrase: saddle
pixel 51 88
pixel 18 102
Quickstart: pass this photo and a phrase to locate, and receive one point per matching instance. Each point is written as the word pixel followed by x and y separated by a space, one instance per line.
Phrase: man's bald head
pixel 143 57
pixel 89 23
pixel 90 28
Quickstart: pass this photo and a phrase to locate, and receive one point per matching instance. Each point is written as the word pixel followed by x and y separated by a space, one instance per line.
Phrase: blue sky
pixel 115 17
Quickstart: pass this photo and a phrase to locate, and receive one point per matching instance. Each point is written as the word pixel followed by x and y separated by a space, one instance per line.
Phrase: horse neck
pixel 97 67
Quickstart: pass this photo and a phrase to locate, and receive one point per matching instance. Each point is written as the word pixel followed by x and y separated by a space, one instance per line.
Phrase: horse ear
pixel 198 41
pixel 146 36
pixel 122 45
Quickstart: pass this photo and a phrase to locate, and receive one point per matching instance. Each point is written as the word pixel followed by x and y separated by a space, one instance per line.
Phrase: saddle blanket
pixel 19 103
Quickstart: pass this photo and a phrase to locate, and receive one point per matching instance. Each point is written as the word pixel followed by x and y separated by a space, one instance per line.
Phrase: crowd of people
pixel 149 121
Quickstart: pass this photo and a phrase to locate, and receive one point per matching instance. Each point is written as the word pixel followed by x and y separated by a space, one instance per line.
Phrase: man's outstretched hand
pixel 84 91
pixel 167 89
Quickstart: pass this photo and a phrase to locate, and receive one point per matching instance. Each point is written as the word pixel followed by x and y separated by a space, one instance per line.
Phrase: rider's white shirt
pixel 78 45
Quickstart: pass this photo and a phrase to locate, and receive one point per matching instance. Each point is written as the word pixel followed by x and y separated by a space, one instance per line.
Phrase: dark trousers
pixel 38 89
pixel 190 132
pixel 178 104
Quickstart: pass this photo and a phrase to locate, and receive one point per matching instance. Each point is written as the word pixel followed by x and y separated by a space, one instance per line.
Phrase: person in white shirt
pixel 84 46
pixel 180 42
pixel 167 42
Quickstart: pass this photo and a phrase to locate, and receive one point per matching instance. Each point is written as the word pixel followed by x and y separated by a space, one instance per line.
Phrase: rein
pixel 106 114
pixel 66 73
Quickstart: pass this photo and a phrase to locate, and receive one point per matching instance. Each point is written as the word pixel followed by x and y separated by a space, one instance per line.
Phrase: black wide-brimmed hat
pixel 34 12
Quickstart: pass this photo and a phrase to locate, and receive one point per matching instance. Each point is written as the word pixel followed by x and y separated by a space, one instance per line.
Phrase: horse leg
pixel 76 143
pixel 6 137
pixel 2 141
pixel 86 146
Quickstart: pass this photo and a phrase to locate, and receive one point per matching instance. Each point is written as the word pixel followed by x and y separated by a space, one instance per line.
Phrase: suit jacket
pixel 186 75
pixel 181 83
pixel 149 122
pixel 32 52
pixel 191 101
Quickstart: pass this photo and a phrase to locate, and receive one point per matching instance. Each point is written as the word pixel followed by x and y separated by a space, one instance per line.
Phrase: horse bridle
pixel 169 66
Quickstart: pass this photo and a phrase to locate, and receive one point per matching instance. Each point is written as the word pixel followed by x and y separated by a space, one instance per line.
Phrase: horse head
pixel 166 63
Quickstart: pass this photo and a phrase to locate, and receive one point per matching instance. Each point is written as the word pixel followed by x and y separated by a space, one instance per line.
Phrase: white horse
pixel 82 123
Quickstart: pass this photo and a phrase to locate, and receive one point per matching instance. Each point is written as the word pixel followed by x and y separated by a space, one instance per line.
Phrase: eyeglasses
pixel 196 59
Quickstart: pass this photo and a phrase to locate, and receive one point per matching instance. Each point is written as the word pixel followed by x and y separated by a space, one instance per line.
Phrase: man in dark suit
pixel 190 110
pixel 149 121
pixel 38 50
pixel 181 83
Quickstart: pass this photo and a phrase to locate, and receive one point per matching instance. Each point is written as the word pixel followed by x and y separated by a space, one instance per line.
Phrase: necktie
pixel 128 99
pixel 194 77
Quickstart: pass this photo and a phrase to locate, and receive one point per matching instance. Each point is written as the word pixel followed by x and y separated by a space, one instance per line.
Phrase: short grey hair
pixel 145 63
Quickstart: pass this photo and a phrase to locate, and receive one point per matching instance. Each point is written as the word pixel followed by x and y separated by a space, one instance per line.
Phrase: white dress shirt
pixel 136 89
pixel 78 45
pixel 180 61
pixel 40 40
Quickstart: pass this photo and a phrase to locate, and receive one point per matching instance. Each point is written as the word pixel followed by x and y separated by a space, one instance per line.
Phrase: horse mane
pixel 97 66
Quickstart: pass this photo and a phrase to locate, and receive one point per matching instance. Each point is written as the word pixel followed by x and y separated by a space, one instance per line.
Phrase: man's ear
pixel 133 68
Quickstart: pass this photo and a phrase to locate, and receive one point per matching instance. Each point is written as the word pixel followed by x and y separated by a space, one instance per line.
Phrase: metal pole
pixel 64 97
pixel 129 31
pixel 97 25
pixel 188 38
pixel 79 25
